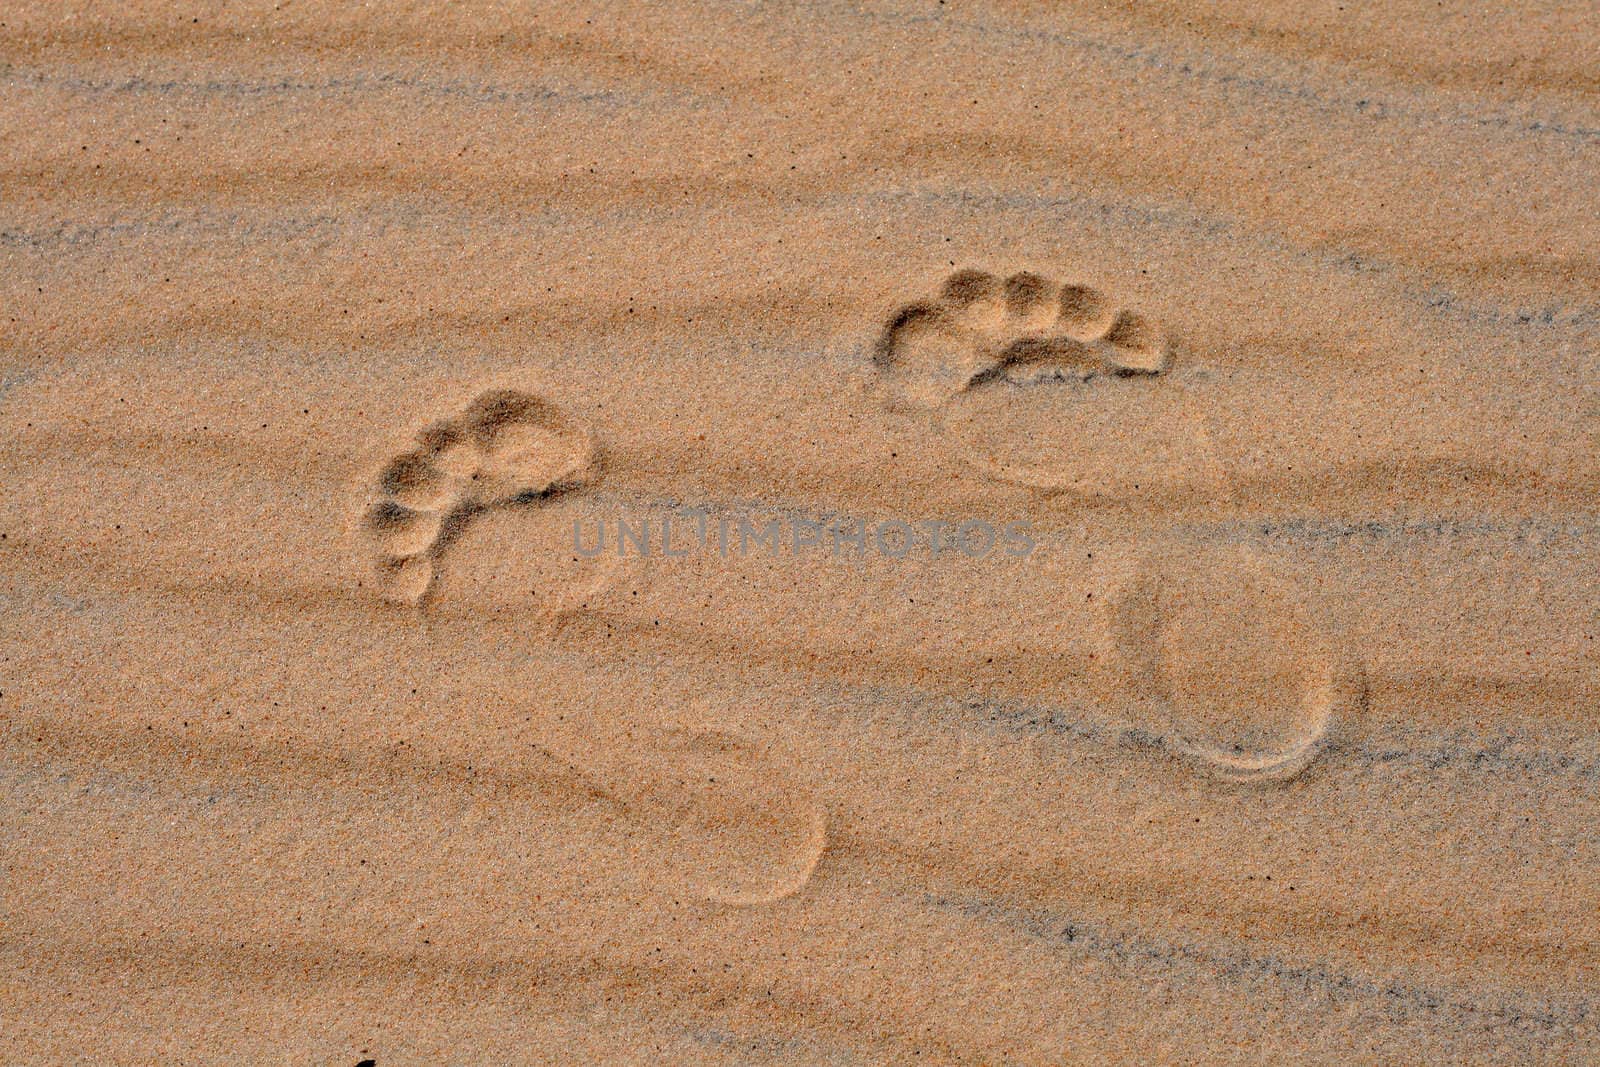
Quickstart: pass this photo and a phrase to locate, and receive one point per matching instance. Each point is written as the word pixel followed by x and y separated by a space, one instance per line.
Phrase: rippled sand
pixel 1122 497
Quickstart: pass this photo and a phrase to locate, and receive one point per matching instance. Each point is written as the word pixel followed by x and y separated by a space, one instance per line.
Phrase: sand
pixel 836 533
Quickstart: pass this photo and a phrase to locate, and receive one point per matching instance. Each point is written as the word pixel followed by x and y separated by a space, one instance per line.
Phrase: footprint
pixel 497 492
pixel 1023 328
pixel 1058 389
pixel 1098 437
pixel 718 819
pixel 507 450
pixel 1216 656
pixel 1049 386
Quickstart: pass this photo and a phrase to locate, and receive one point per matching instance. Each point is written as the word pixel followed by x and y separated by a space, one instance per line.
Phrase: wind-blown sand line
pixel 877 847
pixel 554 979
pixel 479 773
pixel 1223 953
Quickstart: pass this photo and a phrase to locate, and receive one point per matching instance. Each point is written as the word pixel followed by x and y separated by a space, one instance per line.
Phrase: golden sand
pixel 835 533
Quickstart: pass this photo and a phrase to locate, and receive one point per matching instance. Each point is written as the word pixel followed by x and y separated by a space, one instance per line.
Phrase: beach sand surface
pixel 738 533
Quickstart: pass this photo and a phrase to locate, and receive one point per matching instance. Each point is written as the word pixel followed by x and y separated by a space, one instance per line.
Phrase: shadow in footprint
pixel 1024 328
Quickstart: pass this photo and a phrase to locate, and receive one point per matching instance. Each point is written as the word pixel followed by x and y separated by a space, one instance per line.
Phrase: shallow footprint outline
pixel 737 829
pixel 1232 669
pixel 505 448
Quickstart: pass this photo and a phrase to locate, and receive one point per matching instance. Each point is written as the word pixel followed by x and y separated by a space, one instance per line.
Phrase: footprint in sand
pixel 507 452
pixel 1224 662
pixel 1051 386
pixel 473 523
pixel 1024 328
pixel 1056 388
